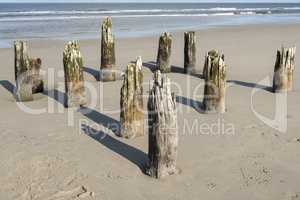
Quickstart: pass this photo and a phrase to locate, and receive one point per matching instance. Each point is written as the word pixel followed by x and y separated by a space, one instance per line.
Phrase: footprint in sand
pixel 254 172
pixel 76 193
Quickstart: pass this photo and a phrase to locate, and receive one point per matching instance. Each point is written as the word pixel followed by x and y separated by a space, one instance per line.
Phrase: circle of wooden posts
pixel 163 132
pixel 27 73
pixel 74 82
pixel 163 61
pixel 162 114
pixel 189 52
pixel 108 57
pixel 132 106
pixel 284 69
pixel 214 73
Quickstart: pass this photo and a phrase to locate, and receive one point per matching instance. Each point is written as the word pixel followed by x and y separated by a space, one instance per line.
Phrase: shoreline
pixel 154 35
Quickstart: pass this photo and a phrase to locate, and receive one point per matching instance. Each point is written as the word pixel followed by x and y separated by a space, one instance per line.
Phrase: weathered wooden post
pixel 284 69
pixel 163 133
pixel 215 83
pixel 132 106
pixel 73 68
pixel 37 81
pixel 22 72
pixel 27 73
pixel 164 53
pixel 189 52
pixel 108 58
pixel 22 62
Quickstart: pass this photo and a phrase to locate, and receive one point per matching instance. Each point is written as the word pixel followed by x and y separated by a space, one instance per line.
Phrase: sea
pixel 80 21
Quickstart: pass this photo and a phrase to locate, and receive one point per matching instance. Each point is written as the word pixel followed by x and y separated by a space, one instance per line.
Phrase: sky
pixel 140 1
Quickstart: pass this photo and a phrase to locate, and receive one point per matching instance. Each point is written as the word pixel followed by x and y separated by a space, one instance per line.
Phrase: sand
pixel 44 158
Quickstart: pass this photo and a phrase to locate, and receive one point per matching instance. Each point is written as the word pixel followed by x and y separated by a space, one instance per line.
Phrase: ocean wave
pixel 292 8
pixel 85 14
pixel 222 9
pixel 224 14
pixel 255 9
pixel 74 12
pixel 116 16
pixel 47 18
pixel 107 12
pixel 248 13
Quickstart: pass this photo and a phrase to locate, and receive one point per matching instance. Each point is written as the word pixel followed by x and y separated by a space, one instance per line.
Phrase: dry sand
pixel 42 158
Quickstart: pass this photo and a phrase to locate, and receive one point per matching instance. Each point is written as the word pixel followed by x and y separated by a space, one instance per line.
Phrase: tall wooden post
pixel 108 58
pixel 163 133
pixel 189 52
pixel 73 68
pixel 284 70
pixel 37 81
pixel 27 73
pixel 215 83
pixel 132 106
pixel 164 53
pixel 22 61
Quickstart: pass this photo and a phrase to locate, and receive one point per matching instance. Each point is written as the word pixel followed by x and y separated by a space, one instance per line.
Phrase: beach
pixel 237 155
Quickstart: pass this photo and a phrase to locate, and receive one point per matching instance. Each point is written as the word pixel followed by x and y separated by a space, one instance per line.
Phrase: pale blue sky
pixel 140 1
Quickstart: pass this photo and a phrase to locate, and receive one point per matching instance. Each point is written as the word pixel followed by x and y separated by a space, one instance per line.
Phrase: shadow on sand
pixel 174 69
pixel 197 105
pixel 251 85
pixel 8 86
pixel 104 120
pixel 134 155
pixel 150 66
pixel 93 72
pixel 57 95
